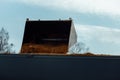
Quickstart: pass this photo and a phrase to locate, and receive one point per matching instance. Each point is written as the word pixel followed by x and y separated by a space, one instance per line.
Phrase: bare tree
pixel 5 47
pixel 79 47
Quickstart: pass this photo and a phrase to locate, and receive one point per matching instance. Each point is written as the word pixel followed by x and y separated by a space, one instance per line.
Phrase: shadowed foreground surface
pixel 45 67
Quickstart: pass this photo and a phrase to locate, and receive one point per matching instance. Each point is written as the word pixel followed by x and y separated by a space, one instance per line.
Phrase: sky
pixel 97 22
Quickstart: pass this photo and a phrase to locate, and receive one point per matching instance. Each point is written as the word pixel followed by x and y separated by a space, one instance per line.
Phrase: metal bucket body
pixel 44 36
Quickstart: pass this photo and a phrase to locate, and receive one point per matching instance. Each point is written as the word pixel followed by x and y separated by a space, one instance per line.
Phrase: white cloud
pixel 99 39
pixel 99 7
pixel 98 33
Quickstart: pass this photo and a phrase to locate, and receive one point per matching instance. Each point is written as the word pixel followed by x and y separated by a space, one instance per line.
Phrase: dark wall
pixel 38 31
pixel 29 67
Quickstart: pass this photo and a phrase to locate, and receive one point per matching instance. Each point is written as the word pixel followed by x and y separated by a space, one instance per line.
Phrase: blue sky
pixel 97 22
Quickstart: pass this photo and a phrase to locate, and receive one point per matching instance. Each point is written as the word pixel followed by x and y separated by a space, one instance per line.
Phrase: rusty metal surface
pixel 46 33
